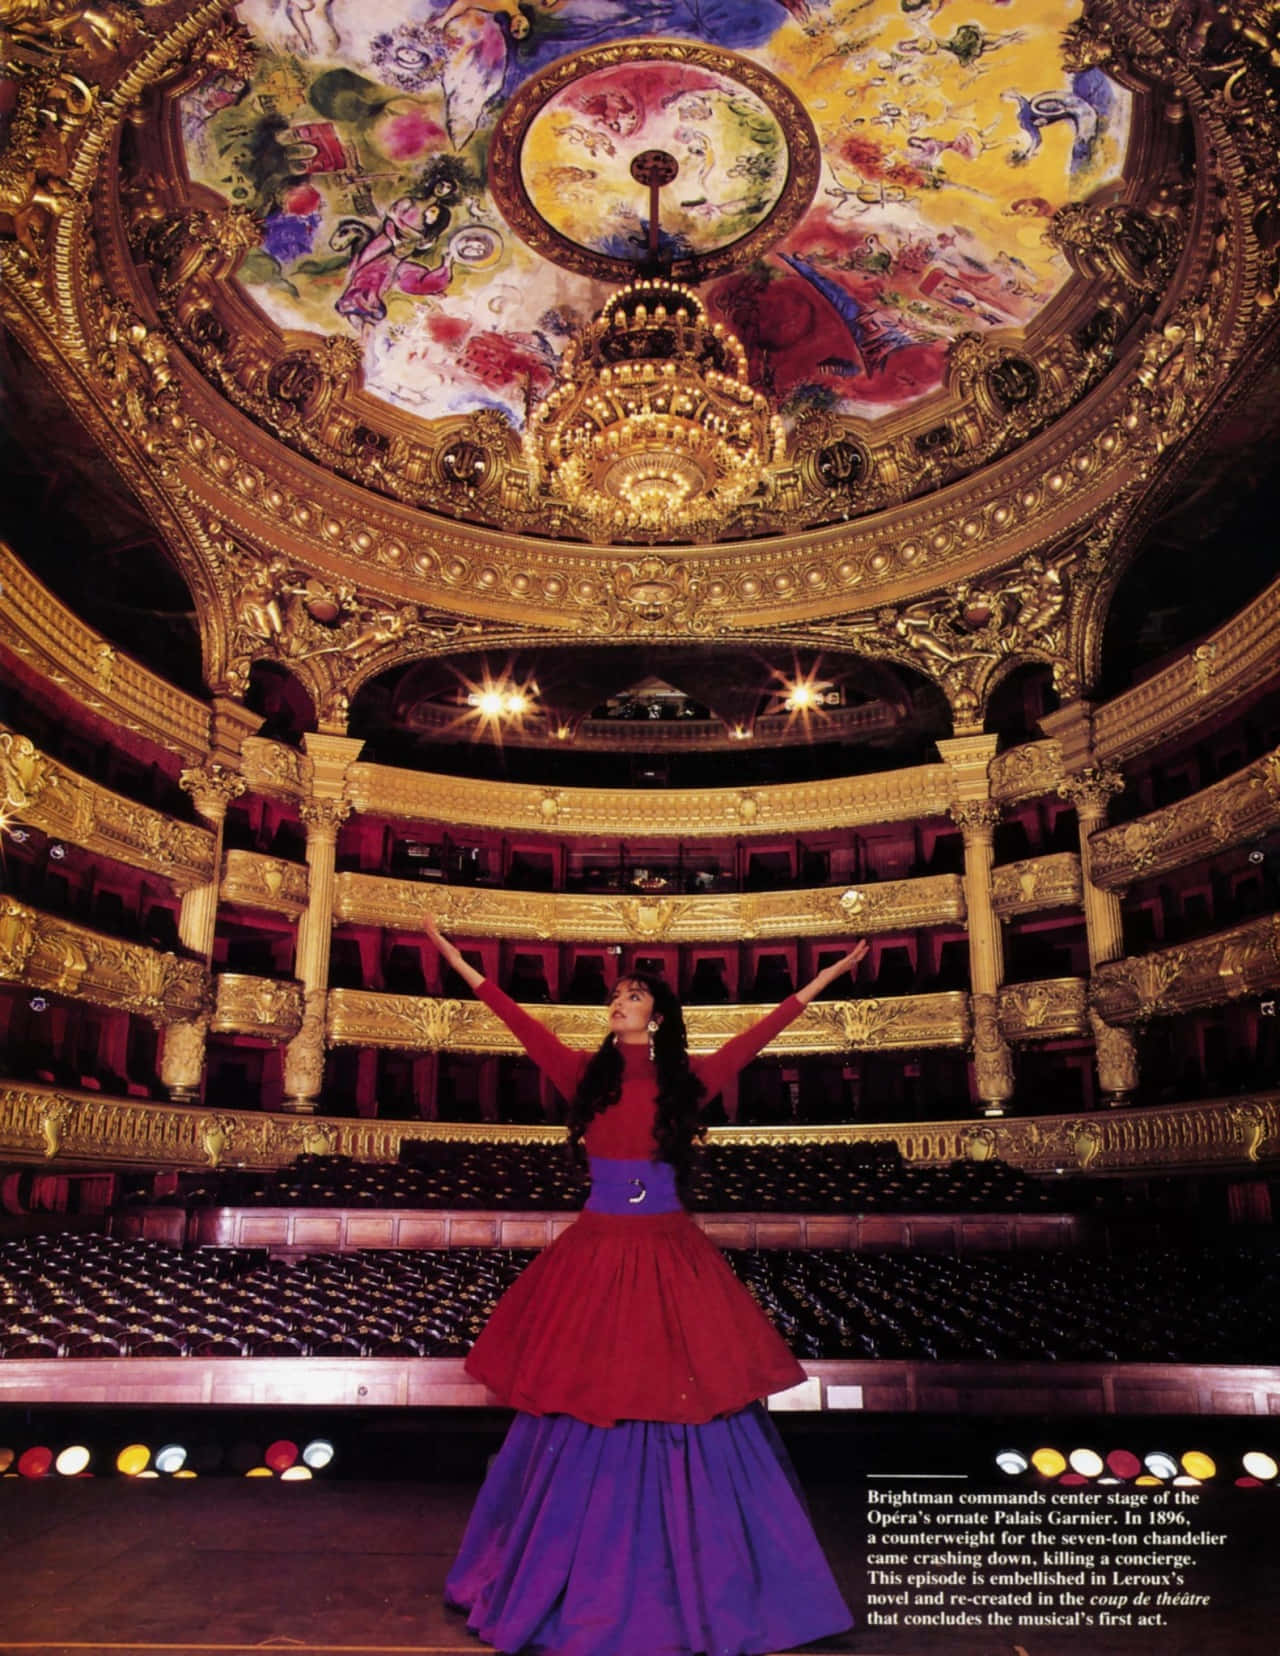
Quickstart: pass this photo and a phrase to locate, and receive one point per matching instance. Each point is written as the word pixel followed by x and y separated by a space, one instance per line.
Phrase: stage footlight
pixel 1124 1463
pixel 259 1472
pixel 1161 1465
pixel 1050 1463
pixel 133 1459
pixel 1258 1464
pixel 186 1472
pixel 73 1460
pixel 1196 1464
pixel 281 1455
pixel 1012 1461
pixel 1088 1462
pixel 318 1454
pixel 295 1474
pixel 35 1462
pixel 7 1458
pixel 171 1458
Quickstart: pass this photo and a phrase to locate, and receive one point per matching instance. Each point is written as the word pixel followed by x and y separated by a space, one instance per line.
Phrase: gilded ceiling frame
pixel 235 438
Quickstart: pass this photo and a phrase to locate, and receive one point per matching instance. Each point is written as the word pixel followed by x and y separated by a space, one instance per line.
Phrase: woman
pixel 642 1504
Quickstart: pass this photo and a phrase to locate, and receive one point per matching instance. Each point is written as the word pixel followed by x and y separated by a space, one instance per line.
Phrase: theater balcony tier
pixel 891 905
pixel 48 1125
pixel 1241 807
pixel 1226 967
pixel 43 952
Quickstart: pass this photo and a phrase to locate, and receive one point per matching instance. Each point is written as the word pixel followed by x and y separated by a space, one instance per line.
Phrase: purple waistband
pixel 632 1187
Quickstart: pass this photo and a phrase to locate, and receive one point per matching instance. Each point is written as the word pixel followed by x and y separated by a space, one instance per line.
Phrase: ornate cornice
pixel 1210 972
pixel 416 1023
pixel 1027 772
pixel 683 813
pixel 1037 883
pixel 1239 808
pixel 256 881
pixel 1229 664
pixel 399 905
pixel 49 640
pixel 1044 1010
pixel 276 770
pixel 37 789
pixel 43 952
pixel 269 1008
pixel 40 1123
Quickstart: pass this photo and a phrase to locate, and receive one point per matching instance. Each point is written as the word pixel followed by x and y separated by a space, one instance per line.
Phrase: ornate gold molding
pixel 39 1123
pixel 372 900
pixel 1027 772
pixel 276 770
pixel 256 881
pixel 57 645
pixel 1037 883
pixel 42 952
pixel 267 1007
pixel 415 1023
pixel 1044 1010
pixel 1210 972
pixel 1241 806
pixel 44 793
pixel 1201 684
pixel 682 813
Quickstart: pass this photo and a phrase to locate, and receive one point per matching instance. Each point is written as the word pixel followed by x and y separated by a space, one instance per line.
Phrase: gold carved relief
pixel 267 1007
pixel 1037 883
pixel 1232 811
pixel 42 952
pixel 372 900
pixel 256 881
pixel 1210 972
pixel 415 1023
pixel 1043 1010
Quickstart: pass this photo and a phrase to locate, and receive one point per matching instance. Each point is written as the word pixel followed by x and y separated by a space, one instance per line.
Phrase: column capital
pixel 1090 788
pixel 975 817
pixel 323 817
pixel 212 787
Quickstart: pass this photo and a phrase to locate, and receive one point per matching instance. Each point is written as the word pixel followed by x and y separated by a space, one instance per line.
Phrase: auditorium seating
pixel 827 1178
pixel 87 1296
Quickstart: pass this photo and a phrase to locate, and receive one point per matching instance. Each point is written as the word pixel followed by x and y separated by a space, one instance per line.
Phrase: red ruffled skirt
pixel 624 1318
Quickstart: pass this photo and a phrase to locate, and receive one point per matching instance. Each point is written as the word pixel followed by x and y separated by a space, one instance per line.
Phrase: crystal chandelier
pixel 652 431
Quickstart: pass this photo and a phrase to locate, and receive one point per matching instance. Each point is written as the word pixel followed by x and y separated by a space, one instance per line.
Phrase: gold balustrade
pixel 1044 1010
pixel 42 951
pixel 1209 972
pixel 891 905
pixel 40 1124
pixel 270 1008
pixel 253 880
pixel 1037 883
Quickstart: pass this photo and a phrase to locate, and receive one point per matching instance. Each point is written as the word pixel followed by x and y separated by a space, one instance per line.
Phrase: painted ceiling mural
pixel 948 131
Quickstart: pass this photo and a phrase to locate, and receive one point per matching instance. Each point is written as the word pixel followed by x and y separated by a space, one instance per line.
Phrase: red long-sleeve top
pixel 625 1130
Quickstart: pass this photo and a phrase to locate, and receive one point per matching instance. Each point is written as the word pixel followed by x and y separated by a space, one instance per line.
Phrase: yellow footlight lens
pixel 1049 1462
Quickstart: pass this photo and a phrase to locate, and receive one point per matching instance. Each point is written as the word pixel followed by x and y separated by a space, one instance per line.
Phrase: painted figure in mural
pixel 396 254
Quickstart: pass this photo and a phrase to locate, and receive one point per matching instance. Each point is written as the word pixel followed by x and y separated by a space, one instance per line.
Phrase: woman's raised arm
pixel 828 974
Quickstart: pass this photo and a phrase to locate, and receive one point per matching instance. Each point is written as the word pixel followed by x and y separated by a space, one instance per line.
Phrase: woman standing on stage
pixel 643 1503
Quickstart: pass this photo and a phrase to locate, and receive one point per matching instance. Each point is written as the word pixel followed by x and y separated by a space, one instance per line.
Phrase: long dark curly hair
pixel 679 1090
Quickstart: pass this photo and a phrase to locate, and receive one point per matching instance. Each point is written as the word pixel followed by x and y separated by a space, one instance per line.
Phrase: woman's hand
pixel 846 963
pixel 450 953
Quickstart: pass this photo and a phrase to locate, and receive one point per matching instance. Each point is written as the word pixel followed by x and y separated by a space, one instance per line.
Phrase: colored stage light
pixel 1258 1464
pixel 1088 1462
pixel 1124 1463
pixel 259 1472
pixel 1011 1461
pixel 318 1454
pixel 7 1458
pixel 1196 1464
pixel 133 1459
pixel 1147 1480
pixel 171 1458
pixel 35 1462
pixel 1049 1462
pixel 281 1455
pixel 295 1474
pixel 1161 1464
pixel 73 1460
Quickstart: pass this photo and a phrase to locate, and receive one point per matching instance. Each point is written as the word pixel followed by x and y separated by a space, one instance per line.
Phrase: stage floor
pixel 355 1564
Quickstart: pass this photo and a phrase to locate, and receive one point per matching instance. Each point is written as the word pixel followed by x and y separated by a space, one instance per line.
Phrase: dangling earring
pixel 652 1027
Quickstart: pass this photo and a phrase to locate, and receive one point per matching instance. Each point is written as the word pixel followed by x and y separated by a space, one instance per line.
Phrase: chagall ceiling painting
pixel 858 181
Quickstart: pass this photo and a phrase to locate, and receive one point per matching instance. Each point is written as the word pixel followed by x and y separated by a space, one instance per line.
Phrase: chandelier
pixel 652 431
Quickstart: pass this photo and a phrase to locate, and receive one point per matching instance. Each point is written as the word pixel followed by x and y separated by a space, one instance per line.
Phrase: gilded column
pixel 1116 1052
pixel 212 788
pixel 976 814
pixel 322 815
